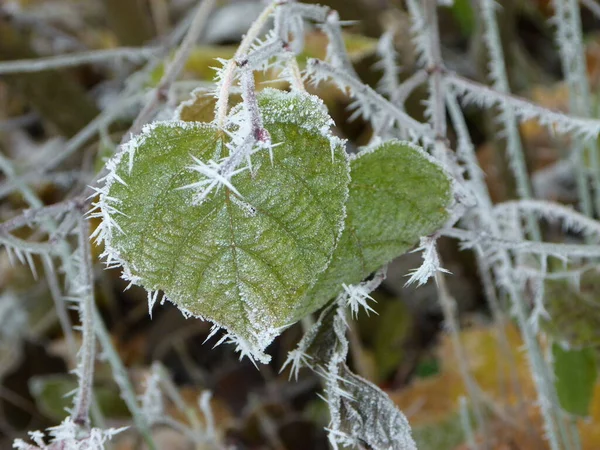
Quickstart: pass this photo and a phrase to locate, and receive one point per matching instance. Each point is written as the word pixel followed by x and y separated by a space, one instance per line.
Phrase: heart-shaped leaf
pixel 398 193
pixel 244 261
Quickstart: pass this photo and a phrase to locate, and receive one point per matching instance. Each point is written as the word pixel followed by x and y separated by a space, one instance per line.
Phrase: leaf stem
pixel 228 74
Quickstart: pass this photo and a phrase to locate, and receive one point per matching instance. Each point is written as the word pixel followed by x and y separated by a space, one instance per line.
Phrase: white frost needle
pixel 357 296
pixel 214 178
pixel 431 263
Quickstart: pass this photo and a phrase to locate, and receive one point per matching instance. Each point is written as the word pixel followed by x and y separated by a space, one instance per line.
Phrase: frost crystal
pixel 431 263
pixel 68 436
pixel 357 297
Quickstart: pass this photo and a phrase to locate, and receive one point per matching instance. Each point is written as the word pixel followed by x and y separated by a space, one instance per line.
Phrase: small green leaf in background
pixel 464 15
pixel 391 334
pixel 574 313
pixel 51 394
pixel 246 262
pixel 398 193
pixel 575 372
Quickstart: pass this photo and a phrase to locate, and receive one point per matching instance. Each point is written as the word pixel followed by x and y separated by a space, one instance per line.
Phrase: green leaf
pixel 576 373
pixel 244 263
pixel 398 193
pixel 464 14
pixel 393 330
pixel 573 311
pixel 52 394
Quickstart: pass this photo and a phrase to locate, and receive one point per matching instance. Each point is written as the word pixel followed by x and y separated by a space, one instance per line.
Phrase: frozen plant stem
pixel 228 74
pixel 569 40
pixel 59 304
pixel 436 106
pixel 76 59
pixel 451 323
pixel 555 121
pixel 514 146
pixel 85 369
pixel 502 268
pixel 122 379
pixel 323 70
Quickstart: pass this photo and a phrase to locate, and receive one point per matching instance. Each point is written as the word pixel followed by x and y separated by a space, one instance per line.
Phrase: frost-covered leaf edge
pixel 103 209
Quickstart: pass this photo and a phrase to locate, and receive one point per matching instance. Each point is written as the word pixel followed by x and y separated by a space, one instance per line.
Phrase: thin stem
pixel 434 65
pixel 77 59
pixel 122 379
pixel 61 309
pixel 499 77
pixel 569 41
pixel 29 216
pixel 228 72
pixel 448 305
pixel 465 421
pixel 87 353
pixel 503 269
pixel 322 70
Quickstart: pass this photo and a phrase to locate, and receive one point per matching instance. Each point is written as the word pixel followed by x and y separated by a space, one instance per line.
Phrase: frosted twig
pixel 419 29
pixel 538 284
pixel 448 305
pixel 569 40
pixel 388 85
pixel 400 95
pixel 336 51
pixel 436 109
pixel 498 75
pixel 481 95
pixel 563 251
pixel 369 100
pixel 77 59
pixel 257 130
pixel 87 353
pixel 501 265
pixel 227 74
pixel 122 379
pixel 571 274
pixel 31 216
pixel 59 304
pixel 571 219
pixel 25 248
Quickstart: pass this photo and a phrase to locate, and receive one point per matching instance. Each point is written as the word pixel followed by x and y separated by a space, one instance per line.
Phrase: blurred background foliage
pixel 403 349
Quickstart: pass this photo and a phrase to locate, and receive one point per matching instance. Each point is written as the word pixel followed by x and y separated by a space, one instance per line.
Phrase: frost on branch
pixel 431 263
pixel 68 436
pixel 244 254
pixel 361 413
